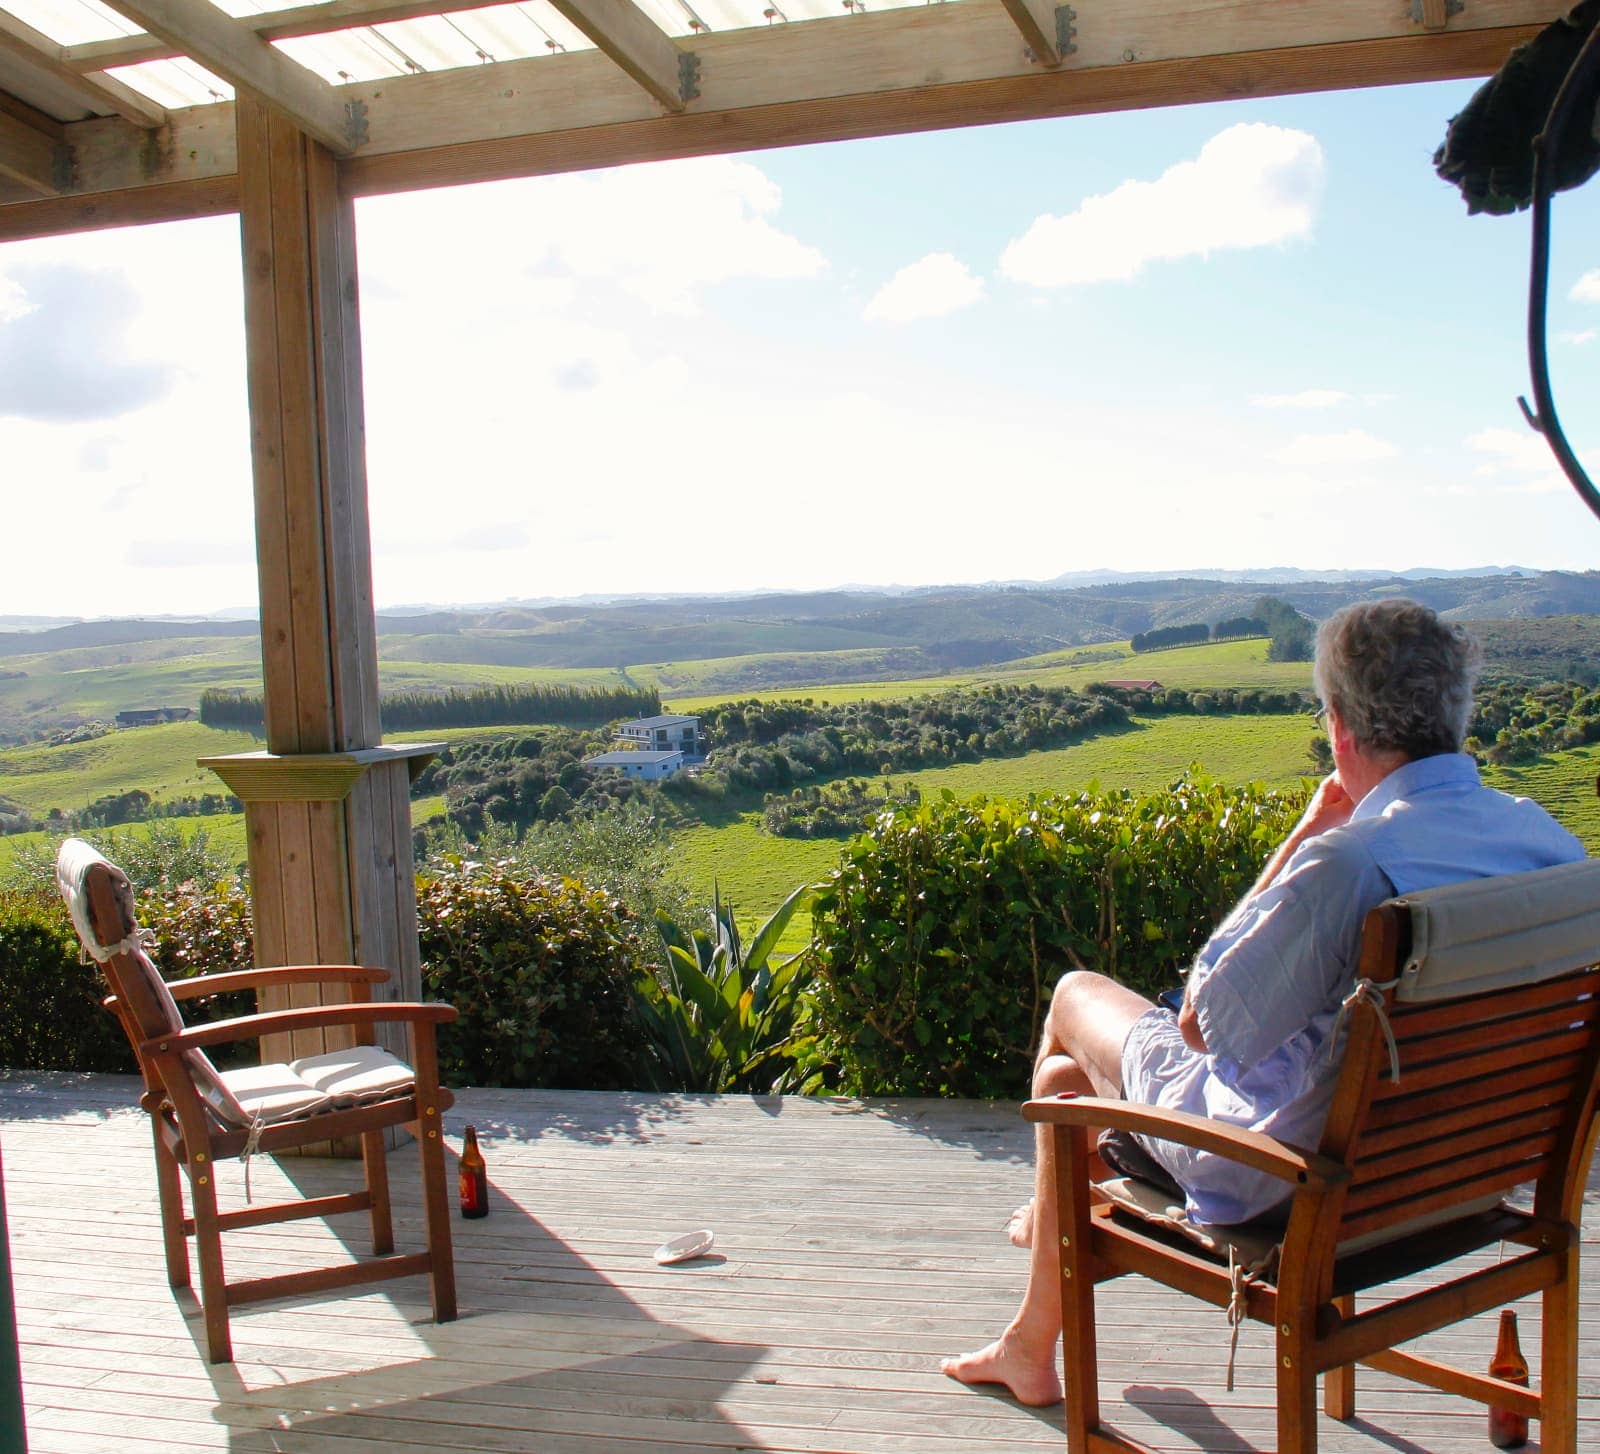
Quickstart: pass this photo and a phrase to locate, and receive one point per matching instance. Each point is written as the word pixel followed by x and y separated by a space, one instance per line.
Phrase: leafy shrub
pixel 541 971
pixel 152 856
pixel 51 1016
pixel 723 1018
pixel 940 937
pixel 830 809
pixel 50 1012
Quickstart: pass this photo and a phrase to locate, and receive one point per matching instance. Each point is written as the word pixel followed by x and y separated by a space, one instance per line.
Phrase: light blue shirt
pixel 1267 986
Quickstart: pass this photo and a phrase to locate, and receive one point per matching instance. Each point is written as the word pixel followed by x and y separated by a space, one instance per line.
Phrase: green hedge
pixel 541 971
pixel 50 1012
pixel 51 1016
pixel 941 935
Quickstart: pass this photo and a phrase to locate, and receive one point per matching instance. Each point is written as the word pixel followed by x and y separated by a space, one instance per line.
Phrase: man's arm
pixel 1330 807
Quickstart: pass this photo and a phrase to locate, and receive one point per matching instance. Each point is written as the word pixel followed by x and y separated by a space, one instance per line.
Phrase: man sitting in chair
pixel 1403 810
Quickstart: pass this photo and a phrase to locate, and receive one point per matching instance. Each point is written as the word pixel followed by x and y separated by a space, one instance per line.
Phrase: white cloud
pixel 1519 459
pixel 14 300
pixel 660 233
pixel 1587 288
pixel 1305 399
pixel 1252 185
pixel 1351 446
pixel 1579 337
pixel 928 288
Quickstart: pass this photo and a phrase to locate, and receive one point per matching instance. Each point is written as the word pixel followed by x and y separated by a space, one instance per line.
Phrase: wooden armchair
pixel 1491 992
pixel 200 1115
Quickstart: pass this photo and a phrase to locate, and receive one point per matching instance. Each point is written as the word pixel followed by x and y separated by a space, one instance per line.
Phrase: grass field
pixel 756 870
pixel 161 760
pixel 100 681
pixel 1225 664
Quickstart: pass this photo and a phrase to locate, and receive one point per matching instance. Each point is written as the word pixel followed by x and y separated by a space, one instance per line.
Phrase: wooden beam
pixel 297 20
pixel 1037 21
pixel 30 157
pixel 239 56
pixel 633 41
pixel 167 202
pixel 858 76
pixel 98 94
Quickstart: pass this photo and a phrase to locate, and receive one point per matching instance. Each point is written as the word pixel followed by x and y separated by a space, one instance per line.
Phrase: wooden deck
pixel 856 1244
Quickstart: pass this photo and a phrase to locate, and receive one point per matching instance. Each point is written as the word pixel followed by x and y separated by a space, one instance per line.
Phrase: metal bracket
pixel 1066 30
pixel 1441 15
pixel 355 124
pixel 688 76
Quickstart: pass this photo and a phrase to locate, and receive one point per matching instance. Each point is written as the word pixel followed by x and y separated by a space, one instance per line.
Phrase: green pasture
pixel 755 870
pixel 1565 783
pixel 1223 664
pixel 161 760
pixel 43 691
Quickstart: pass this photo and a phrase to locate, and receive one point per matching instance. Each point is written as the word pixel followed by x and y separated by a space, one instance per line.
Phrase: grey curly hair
pixel 1399 677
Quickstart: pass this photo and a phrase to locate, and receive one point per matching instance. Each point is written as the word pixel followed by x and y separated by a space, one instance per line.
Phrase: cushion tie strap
pixel 99 953
pixel 252 1144
pixel 1369 993
pixel 1238 1286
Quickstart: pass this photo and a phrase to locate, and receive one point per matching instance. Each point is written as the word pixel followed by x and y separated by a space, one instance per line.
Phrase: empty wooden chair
pixel 1470 1069
pixel 200 1116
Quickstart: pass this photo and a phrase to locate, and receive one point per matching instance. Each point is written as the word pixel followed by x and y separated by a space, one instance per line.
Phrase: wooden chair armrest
pixel 1254 1149
pixel 245 979
pixel 315 1017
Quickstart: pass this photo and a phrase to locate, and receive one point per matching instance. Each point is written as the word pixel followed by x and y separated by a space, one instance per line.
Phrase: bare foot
pixel 1019 1225
pixel 1031 1381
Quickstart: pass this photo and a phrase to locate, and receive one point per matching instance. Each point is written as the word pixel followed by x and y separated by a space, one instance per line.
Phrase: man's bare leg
pixel 1081 1051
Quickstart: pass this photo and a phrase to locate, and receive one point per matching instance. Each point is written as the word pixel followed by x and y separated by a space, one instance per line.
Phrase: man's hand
pixel 1330 807
pixel 1189 1026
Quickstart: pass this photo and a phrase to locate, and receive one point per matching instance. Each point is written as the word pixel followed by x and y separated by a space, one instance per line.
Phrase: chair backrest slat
pixel 1533 1027
pixel 1556 1071
pixel 1382 1216
pixel 1487 1108
pixel 1493 1059
pixel 1484 1101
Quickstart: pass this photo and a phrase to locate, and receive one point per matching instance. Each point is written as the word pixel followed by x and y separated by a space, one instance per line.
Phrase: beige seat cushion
pixel 268 1093
pixel 355 1076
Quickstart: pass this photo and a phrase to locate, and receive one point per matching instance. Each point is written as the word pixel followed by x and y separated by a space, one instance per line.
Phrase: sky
pixel 1243 335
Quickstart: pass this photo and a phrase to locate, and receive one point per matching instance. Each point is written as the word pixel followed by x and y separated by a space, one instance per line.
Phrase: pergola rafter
pixel 93 92
pixel 240 56
pixel 644 95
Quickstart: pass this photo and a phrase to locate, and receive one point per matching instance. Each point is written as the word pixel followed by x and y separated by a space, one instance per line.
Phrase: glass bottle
pixel 475 1179
pixel 1506 1429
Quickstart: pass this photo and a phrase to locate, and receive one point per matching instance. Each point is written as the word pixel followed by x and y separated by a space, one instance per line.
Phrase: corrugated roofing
pixel 429 43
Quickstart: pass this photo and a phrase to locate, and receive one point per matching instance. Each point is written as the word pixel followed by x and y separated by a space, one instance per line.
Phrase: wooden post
pixel 331 877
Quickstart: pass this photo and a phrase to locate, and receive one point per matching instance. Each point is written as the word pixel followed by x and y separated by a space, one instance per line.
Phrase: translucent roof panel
pixel 175 83
pixel 452 39
pixel 72 22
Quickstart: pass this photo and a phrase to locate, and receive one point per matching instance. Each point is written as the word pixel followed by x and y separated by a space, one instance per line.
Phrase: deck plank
pixel 857 1242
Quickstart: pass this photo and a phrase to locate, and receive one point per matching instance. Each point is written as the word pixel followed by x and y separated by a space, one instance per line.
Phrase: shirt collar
pixel 1444 769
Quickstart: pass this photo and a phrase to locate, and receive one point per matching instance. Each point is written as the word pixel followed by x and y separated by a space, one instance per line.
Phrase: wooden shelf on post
pixel 312 777
pixel 303 812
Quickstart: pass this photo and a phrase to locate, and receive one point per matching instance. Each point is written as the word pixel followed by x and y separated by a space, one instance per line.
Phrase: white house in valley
pixel 639 763
pixel 665 733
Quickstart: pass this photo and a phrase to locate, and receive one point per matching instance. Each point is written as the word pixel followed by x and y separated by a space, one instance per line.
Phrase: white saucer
pixel 681 1249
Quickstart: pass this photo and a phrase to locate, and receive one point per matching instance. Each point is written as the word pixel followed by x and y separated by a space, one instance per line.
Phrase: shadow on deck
pixel 857 1242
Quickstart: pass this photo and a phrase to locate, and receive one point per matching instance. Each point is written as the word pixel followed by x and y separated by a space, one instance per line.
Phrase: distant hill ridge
pixel 949 628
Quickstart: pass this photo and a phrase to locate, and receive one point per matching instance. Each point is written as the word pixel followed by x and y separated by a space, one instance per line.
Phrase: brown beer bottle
pixel 1506 1429
pixel 475 1186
